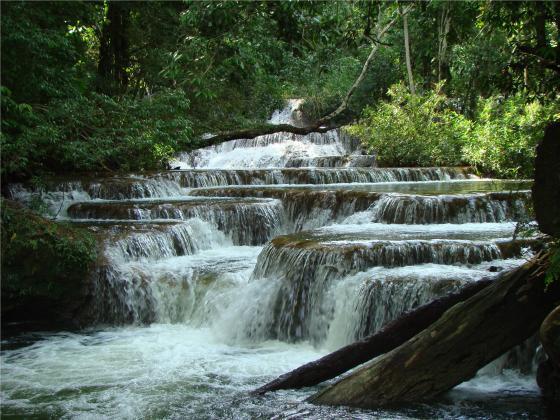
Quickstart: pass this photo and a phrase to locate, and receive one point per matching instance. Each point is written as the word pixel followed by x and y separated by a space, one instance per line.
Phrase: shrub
pixel 97 132
pixel 45 265
pixel 506 133
pixel 413 130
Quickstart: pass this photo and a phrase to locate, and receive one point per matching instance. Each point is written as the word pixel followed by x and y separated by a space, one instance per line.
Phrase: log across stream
pixel 451 350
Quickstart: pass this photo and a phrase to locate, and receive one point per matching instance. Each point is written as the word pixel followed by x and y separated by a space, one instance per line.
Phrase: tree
pixel 407 51
pixel 114 54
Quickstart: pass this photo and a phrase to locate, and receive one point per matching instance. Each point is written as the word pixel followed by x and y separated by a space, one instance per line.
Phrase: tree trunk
pixel 557 21
pixel 549 333
pixel 540 26
pixel 468 336
pixel 546 194
pixel 548 373
pixel 444 27
pixel 407 55
pixel 389 337
pixel 113 49
pixel 264 129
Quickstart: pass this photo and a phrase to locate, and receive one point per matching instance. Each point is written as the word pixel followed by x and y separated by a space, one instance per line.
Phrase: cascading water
pixel 261 255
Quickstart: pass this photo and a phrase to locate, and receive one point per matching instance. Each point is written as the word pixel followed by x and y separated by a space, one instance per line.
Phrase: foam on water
pixel 400 231
pixel 141 372
pixel 272 155
pixel 374 297
pixel 177 371
pixel 191 289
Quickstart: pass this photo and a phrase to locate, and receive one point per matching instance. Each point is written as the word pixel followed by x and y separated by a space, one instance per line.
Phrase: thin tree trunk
pixel 444 27
pixel 381 31
pixel 468 336
pixel 407 54
pixel 557 21
pixel 389 337
pixel 114 55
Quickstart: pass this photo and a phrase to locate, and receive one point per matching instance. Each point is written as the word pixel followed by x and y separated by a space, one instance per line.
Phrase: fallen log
pixel 466 337
pixel 264 129
pixel 389 337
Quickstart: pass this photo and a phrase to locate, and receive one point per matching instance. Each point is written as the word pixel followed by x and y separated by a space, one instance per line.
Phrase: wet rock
pixel 546 190
pixel 548 373
pixel 47 270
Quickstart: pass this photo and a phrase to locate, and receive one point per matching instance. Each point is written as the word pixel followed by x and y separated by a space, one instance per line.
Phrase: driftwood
pixel 389 337
pixel 450 351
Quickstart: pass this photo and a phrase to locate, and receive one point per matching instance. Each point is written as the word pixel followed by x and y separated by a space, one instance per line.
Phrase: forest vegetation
pixel 120 86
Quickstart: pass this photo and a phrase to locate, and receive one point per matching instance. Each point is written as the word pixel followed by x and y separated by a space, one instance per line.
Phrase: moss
pixel 45 265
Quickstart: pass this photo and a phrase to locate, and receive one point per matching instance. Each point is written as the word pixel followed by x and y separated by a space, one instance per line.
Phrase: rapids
pixel 256 256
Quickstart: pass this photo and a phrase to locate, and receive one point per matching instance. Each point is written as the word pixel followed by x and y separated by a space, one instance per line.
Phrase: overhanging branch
pixel 325 123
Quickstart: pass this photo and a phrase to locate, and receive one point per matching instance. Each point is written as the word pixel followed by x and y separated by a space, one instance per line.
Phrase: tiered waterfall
pixel 256 256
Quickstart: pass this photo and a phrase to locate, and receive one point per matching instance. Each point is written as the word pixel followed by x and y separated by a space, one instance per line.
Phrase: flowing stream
pixel 257 256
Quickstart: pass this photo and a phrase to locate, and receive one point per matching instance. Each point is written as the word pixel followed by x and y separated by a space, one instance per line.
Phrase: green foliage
pixel 479 66
pixel 41 259
pixel 324 85
pixel 530 32
pixel 226 64
pixel 413 130
pixel 553 273
pixel 233 62
pixel 41 57
pixel 97 132
pixel 506 133
pixel 16 118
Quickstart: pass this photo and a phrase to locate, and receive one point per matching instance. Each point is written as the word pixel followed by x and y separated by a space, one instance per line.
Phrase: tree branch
pixel 250 133
pixel 549 64
pixel 381 31
pixel 325 123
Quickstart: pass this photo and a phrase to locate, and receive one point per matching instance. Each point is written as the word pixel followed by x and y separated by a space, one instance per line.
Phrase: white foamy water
pixel 397 231
pixel 142 372
pixel 267 154
pixel 177 371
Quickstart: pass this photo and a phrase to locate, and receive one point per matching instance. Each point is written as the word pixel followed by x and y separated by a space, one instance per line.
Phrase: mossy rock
pixel 47 268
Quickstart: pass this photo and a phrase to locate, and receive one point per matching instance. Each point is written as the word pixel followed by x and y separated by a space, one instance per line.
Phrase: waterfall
pixel 197 178
pixel 346 161
pixel 258 251
pixel 307 270
pixel 478 208
pixel 249 222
